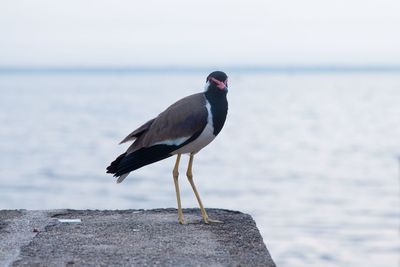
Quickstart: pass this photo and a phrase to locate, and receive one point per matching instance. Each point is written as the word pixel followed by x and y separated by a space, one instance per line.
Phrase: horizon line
pixel 131 69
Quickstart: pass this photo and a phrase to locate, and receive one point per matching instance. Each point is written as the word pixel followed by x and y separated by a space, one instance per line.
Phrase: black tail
pixel 142 157
pixel 113 168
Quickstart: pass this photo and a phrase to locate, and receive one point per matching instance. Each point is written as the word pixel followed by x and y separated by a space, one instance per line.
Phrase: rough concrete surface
pixel 129 238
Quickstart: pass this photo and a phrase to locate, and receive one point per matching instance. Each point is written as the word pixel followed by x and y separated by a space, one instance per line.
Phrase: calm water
pixel 312 157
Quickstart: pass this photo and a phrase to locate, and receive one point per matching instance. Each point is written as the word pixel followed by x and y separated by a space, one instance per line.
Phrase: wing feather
pixel 139 131
pixel 182 119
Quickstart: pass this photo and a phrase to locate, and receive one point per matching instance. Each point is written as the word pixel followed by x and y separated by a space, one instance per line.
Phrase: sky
pixel 199 33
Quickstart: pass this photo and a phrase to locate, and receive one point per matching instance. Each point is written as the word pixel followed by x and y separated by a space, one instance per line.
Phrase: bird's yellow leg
pixel 189 175
pixel 175 174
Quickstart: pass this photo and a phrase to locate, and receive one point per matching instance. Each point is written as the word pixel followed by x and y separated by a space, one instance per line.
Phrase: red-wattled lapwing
pixel 184 128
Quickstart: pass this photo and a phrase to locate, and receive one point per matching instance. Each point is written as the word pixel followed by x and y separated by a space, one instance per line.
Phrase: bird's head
pixel 217 80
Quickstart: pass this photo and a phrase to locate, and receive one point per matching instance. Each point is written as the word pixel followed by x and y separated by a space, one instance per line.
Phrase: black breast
pixel 219 108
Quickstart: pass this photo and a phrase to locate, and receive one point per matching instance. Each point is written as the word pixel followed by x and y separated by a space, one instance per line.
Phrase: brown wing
pixel 138 132
pixel 182 119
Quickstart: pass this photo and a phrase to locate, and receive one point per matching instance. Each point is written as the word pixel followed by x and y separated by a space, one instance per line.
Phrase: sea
pixel 313 156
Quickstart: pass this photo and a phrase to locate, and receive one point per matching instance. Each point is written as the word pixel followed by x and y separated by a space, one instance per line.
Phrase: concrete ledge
pixel 129 237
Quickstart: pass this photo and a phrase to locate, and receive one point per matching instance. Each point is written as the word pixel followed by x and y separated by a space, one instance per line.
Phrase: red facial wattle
pixel 220 85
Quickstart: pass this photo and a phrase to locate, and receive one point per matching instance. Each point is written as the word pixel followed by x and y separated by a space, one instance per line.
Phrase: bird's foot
pixel 208 221
pixel 181 220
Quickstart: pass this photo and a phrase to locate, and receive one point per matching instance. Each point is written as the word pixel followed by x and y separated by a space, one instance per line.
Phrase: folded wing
pixel 177 124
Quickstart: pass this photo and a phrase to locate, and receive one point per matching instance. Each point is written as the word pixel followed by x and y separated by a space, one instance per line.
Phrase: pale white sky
pixel 202 33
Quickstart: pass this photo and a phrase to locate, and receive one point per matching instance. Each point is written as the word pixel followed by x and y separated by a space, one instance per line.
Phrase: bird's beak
pixel 220 85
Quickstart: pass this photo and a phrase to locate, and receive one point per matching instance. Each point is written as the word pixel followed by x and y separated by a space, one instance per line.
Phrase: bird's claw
pixel 181 220
pixel 208 221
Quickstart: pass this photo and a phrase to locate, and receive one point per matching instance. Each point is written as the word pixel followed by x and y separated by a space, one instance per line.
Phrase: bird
pixel 185 127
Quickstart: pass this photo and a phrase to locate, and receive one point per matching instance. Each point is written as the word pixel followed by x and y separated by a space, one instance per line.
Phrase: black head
pixel 218 79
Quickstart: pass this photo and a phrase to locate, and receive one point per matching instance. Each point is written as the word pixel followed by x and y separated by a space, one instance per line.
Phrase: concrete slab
pixel 129 238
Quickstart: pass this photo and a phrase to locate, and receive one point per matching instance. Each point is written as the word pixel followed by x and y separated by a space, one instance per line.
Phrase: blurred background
pixel 311 145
